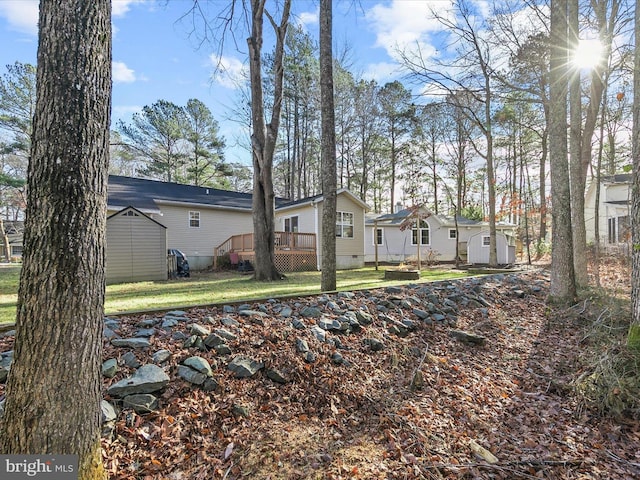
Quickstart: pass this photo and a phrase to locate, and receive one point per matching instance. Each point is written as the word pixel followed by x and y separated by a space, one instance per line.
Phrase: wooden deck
pixel 294 252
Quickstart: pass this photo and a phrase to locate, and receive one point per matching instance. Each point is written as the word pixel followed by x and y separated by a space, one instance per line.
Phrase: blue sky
pixel 154 58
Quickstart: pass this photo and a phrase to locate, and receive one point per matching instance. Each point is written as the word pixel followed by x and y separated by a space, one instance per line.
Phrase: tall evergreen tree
pixel 156 136
pixel 204 160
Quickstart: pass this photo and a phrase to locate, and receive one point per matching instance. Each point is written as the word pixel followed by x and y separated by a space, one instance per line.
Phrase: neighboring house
pixel 13 231
pixel 197 219
pixel 305 216
pixel 136 247
pixel 436 234
pixel 613 214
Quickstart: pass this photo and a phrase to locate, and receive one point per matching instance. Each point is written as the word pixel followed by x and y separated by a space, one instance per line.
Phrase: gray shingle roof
pixel 143 195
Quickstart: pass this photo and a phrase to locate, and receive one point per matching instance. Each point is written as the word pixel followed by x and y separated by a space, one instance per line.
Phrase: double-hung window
pixel 344 224
pixel 194 219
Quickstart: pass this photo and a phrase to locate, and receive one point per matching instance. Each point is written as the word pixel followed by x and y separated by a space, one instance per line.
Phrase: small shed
pixel 136 247
pixel 478 248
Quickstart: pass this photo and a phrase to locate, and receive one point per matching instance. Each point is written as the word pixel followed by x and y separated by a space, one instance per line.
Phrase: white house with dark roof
pixel 196 220
pixel 435 235
pixel 613 215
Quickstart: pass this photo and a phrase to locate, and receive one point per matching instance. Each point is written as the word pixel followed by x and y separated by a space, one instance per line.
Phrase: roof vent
pixel 207 191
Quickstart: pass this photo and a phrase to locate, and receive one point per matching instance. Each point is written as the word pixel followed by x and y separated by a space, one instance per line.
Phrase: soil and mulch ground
pixel 426 406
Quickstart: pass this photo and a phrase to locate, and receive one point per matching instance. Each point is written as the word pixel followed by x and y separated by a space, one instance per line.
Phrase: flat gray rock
pixel 244 366
pixel 109 413
pixel 201 330
pixel 200 364
pixel 161 356
pixel 140 403
pixel 147 379
pixel 110 368
pixel 134 342
pixel 191 375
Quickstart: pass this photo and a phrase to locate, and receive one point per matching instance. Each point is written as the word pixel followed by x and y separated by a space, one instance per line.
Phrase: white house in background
pixel 613 214
pixel 436 234
pixel 305 216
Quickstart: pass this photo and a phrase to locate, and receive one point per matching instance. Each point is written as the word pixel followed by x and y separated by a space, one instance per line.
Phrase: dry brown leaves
pixel 512 397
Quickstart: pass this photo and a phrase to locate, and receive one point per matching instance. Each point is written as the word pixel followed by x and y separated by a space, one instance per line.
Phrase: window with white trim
pixel 452 234
pixel 344 224
pixel 194 219
pixel 378 236
pixel 420 230
pixel 486 240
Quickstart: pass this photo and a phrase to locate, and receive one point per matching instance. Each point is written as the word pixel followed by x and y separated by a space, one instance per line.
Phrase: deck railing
pixel 284 241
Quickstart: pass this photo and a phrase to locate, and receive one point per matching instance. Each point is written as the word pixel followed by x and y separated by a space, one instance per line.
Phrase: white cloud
pixel 120 7
pixel 123 74
pixel 382 72
pixel 22 15
pixel 401 25
pixel 228 72
pixel 308 18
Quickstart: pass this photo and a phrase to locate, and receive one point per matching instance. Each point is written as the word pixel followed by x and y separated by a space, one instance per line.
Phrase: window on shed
pixel 420 230
pixel 194 219
pixel 486 240
pixel 452 234
pixel 344 224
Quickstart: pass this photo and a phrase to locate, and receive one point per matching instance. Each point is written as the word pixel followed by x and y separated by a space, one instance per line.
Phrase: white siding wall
pixel 397 244
pixel 479 254
pixel 608 193
pixel 197 244
pixel 136 249
pixel 349 251
pixel 398 248
pixel 306 218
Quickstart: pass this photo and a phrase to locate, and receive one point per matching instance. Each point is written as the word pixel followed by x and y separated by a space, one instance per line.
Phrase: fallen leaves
pixel 488 411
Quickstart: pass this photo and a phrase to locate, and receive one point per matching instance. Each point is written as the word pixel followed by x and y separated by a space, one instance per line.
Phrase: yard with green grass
pixel 204 288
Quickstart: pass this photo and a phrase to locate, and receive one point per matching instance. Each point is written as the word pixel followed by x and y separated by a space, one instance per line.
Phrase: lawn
pixel 205 288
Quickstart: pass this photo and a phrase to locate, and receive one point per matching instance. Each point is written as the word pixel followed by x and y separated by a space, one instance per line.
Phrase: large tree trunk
pixel 563 289
pixel 263 139
pixel 633 339
pixel 328 149
pixel 576 173
pixel 54 388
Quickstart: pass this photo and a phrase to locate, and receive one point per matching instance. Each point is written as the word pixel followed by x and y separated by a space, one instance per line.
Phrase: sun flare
pixel 588 54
